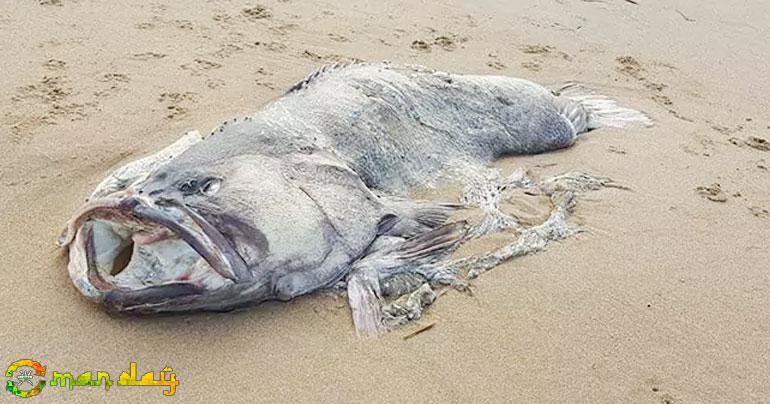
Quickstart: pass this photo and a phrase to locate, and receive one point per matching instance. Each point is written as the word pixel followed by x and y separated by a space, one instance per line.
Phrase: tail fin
pixel 587 110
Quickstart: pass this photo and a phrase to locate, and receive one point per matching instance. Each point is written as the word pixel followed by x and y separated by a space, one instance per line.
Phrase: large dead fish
pixel 309 191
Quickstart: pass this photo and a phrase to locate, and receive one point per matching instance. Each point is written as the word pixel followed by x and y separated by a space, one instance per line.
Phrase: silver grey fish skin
pixel 396 126
pixel 288 200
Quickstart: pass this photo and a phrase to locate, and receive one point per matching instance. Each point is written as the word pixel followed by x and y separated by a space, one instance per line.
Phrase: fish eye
pixel 210 186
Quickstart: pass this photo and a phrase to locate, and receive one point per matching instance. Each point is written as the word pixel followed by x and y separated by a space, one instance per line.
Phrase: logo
pixel 25 378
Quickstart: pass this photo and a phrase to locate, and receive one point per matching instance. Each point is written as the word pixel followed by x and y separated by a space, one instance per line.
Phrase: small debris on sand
pixel 419 331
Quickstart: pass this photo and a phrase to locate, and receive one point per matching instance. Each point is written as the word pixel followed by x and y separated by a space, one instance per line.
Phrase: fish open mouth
pixel 128 251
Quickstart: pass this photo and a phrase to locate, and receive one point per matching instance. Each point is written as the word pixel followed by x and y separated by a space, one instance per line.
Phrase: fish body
pixel 396 126
pixel 310 190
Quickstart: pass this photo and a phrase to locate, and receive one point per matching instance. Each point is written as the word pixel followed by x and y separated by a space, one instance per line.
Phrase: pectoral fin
pixel 365 300
pixel 416 217
pixel 364 293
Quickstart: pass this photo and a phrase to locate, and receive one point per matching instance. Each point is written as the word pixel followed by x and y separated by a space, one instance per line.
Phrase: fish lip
pixel 208 242
pixel 149 300
pixel 128 208
pixel 93 208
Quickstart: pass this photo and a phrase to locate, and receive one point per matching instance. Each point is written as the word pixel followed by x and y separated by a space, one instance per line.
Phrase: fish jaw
pixel 170 254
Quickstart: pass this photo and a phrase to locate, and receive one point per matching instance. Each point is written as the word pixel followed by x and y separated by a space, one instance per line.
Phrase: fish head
pixel 193 236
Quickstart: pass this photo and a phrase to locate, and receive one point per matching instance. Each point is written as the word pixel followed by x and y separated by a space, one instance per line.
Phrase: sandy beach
pixel 662 299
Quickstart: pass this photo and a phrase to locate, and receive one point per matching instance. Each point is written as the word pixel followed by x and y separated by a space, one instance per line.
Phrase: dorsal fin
pixel 325 69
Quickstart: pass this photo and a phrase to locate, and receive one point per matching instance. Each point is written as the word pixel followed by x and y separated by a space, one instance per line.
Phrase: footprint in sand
pixel 177 104
pixel 338 38
pixel 199 66
pixel 145 26
pixel 759 212
pixel 262 80
pixel 466 20
pixel 157 22
pixel 223 19
pixel 43 103
pixel 145 56
pixel 272 46
pixel 183 24
pixel 420 45
pixel 616 150
pixel 50 89
pixel 496 64
pixel 113 81
pixel 449 43
pixel 284 29
pixel 227 49
pixel 329 58
pixel 545 50
pixel 446 43
pixel 114 78
pixel 494 61
pixel 712 192
pixel 24 125
pixel 55 64
pixel 257 12
pixel 701 145
pixel 534 65
pixel 754 142
pixel 725 130
pixel 631 67
pixel 307 54
pixel 540 52
pixel 215 83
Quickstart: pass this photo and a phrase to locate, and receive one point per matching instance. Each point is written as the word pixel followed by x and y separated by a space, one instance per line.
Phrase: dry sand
pixel 665 299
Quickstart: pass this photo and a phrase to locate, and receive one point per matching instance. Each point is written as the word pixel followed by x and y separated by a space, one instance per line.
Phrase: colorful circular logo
pixel 25 378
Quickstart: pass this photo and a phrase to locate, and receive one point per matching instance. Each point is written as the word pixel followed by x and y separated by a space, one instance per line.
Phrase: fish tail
pixel 587 110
